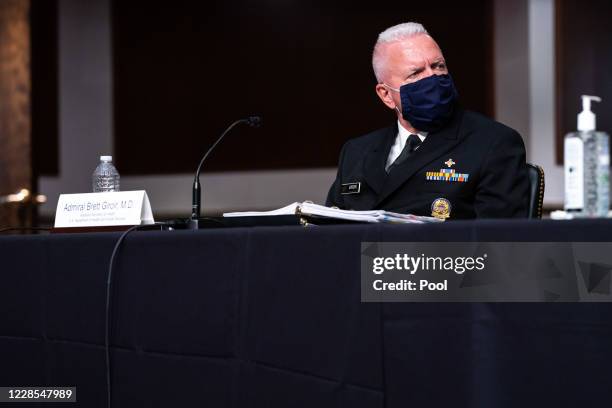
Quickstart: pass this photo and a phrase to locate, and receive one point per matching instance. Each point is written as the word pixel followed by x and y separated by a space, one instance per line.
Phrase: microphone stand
pixel 196 197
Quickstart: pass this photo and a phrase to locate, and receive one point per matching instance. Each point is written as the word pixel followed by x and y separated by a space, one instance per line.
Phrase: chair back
pixel 536 190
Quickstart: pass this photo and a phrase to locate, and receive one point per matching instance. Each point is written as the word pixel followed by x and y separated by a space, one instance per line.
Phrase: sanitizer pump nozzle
pixel 586 118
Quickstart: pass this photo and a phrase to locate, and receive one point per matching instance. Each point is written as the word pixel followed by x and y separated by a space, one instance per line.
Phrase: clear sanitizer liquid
pixel 587 174
pixel 587 166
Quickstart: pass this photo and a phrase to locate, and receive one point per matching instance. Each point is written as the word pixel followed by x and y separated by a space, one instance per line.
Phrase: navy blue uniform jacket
pixel 475 163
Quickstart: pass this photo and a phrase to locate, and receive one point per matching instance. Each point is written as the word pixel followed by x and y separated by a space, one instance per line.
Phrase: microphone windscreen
pixel 254 121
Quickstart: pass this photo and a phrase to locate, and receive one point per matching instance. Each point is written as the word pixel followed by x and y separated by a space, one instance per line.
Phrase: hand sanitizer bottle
pixel 587 166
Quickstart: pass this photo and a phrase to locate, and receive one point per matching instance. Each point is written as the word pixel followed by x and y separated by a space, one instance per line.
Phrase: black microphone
pixel 253 121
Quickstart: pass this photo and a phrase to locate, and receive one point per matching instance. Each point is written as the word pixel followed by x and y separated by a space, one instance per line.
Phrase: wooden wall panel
pixel 15 162
pixel 44 72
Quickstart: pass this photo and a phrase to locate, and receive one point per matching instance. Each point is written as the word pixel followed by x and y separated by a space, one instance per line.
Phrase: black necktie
pixel 412 144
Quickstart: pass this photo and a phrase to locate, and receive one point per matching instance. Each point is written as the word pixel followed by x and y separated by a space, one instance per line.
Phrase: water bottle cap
pixel 106 158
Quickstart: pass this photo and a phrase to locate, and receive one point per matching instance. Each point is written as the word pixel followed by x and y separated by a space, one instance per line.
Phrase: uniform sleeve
pixel 334 198
pixel 503 188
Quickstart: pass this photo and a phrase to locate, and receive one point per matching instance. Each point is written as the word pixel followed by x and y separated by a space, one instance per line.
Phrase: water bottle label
pixel 574 173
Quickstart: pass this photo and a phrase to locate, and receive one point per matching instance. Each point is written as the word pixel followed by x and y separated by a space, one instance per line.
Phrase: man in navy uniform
pixel 437 159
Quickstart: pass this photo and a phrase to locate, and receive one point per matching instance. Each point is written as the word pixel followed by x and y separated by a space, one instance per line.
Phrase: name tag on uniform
pixel 351 188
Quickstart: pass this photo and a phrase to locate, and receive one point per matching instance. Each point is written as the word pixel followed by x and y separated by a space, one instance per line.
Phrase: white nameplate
pixel 103 209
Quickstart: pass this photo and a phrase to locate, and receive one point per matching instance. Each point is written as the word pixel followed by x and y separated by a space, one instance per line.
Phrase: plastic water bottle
pixel 106 177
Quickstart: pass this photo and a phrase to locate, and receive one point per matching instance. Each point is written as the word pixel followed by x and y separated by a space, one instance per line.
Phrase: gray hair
pixel 393 34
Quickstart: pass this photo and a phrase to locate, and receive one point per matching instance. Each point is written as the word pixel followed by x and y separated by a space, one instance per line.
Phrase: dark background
pixel 584 64
pixel 44 77
pixel 184 71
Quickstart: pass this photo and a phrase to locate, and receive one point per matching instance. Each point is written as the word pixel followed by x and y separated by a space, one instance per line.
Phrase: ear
pixel 385 96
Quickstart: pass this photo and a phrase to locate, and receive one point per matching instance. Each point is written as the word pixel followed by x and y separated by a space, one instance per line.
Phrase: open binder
pixel 309 212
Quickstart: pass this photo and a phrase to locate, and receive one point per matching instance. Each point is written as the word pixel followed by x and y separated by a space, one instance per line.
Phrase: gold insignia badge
pixel 450 163
pixel 441 208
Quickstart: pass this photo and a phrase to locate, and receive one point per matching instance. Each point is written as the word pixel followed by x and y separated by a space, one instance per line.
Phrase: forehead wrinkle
pixel 420 55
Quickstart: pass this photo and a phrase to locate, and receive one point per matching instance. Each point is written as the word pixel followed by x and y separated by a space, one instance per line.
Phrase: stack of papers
pixel 564 215
pixel 310 209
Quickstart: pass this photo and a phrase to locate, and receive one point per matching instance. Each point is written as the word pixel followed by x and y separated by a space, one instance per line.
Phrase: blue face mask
pixel 428 104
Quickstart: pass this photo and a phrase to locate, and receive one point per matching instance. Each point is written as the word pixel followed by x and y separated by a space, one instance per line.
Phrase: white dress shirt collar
pixel 400 143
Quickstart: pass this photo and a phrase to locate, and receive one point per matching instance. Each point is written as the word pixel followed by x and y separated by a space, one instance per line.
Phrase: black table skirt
pixel 271 317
